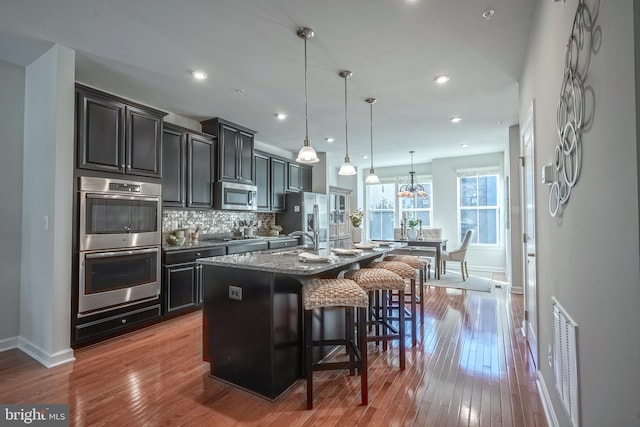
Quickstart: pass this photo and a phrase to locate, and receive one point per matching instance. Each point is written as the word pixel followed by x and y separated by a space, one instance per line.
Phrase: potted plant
pixel 275 229
pixel 356 222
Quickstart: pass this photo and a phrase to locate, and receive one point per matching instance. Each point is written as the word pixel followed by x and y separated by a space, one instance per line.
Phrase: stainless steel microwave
pixel 236 197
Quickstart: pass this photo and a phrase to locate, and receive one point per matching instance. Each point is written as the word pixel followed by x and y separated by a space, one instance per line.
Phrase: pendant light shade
pixel 372 178
pixel 306 154
pixel 346 168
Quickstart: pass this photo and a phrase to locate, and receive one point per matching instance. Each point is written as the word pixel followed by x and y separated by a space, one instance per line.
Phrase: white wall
pixel 11 136
pixel 45 289
pixel 589 258
pixel 445 208
pixel 445 205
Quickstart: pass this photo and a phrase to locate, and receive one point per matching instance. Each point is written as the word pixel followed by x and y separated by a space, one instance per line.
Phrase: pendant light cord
pixel 306 101
pixel 346 133
pixel 371 121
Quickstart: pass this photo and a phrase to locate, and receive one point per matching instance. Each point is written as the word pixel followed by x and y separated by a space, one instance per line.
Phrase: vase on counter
pixel 412 234
pixel 356 235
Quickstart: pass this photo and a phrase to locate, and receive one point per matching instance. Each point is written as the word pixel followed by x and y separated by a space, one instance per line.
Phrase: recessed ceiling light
pixel 464 145
pixel 441 79
pixel 364 156
pixel 329 140
pixel 199 75
pixel 455 119
pixel 488 14
pixel 501 122
pixel 240 91
pixel 281 116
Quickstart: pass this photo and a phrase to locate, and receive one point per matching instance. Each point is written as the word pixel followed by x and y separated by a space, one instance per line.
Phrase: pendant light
pixel 412 189
pixel 372 178
pixel 346 168
pixel 306 154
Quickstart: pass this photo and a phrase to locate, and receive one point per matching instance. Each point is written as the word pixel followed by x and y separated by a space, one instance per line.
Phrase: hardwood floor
pixel 470 368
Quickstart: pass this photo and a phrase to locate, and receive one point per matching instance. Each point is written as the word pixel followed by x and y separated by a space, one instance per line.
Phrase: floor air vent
pixel 565 360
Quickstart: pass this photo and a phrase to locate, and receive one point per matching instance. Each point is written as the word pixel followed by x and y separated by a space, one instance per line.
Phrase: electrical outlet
pixel 235 292
pixel 550 356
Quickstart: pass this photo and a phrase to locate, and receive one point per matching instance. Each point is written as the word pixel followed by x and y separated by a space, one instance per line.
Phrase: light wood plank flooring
pixel 470 368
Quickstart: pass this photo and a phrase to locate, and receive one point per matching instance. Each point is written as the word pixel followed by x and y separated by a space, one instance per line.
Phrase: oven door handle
pixel 120 253
pixel 116 197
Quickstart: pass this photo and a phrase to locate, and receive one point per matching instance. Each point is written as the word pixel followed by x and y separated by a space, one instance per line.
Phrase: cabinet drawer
pixel 179 257
pixel 246 247
pixel 282 243
pixel 111 324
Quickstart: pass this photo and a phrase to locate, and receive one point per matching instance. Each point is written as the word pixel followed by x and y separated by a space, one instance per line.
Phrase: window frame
pixel 478 173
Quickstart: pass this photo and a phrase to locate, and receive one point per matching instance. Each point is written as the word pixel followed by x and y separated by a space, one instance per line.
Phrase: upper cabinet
pixel 188 165
pixel 262 174
pixel 116 135
pixel 299 177
pixel 235 150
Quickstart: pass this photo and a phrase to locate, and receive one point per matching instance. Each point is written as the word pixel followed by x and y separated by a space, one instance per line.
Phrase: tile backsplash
pixel 214 222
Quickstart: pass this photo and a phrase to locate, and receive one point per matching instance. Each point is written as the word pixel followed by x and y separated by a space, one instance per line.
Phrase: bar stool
pixel 406 272
pixel 320 293
pixel 381 281
pixel 420 264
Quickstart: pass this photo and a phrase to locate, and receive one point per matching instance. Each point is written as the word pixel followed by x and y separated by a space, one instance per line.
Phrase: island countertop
pixel 287 261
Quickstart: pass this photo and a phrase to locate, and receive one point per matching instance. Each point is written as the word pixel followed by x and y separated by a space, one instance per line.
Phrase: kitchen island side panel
pixel 253 342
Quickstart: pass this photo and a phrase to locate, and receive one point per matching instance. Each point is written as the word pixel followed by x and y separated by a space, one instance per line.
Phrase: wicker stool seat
pixel 409 273
pixel 420 264
pixel 379 281
pixel 321 293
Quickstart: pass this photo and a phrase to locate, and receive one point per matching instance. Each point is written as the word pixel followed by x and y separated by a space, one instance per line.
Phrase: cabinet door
pixel 100 133
pixel 245 158
pixel 143 143
pixel 181 291
pixel 263 181
pixel 174 165
pixel 294 177
pixel 278 184
pixel 200 171
pixel 306 177
pixel 227 160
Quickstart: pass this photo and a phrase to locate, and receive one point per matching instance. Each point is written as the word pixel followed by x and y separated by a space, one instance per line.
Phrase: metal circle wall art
pixel 570 115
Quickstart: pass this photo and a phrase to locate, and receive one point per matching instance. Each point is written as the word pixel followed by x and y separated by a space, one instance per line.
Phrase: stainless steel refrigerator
pixel 299 215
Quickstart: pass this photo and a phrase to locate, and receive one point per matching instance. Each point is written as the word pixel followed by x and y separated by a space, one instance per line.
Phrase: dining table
pixel 414 248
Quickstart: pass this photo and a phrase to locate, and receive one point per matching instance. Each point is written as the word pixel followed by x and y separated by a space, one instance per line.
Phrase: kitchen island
pixel 252 320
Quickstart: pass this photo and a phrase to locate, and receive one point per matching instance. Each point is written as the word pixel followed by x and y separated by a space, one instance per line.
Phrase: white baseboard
pixel 49 360
pixel 549 414
pixel 8 344
pixel 517 290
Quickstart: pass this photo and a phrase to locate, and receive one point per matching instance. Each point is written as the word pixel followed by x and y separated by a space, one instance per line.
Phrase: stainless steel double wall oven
pixel 120 237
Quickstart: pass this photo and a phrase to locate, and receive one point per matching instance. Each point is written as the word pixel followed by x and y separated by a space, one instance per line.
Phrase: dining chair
pixel 458 255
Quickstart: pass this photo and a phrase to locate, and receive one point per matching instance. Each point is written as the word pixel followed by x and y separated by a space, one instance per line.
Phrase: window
pixel 478 204
pixel 384 209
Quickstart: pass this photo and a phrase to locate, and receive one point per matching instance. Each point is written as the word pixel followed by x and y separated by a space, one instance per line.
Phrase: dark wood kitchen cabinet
pixel 235 150
pixel 278 183
pixel 118 136
pixel 188 165
pixel 262 174
pixel 299 177
pixel 182 280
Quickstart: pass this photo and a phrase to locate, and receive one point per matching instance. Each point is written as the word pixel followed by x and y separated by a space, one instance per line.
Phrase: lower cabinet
pixel 182 279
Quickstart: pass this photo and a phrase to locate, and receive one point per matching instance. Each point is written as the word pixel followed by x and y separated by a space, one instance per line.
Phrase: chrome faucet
pixel 314 238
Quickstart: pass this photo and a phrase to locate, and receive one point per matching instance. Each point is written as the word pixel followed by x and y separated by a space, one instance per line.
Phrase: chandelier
pixel 412 190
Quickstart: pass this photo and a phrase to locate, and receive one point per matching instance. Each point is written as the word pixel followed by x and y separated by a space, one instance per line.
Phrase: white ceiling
pixel 146 49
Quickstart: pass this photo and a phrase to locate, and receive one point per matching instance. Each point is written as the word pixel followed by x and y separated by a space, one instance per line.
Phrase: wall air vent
pixel 565 361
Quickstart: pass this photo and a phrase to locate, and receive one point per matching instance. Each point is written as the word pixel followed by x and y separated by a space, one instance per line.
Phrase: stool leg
pixel 364 373
pixel 350 339
pixel 401 344
pixel 385 295
pixel 421 296
pixel 308 356
pixel 414 339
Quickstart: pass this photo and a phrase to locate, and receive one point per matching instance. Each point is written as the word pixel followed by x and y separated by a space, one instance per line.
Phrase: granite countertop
pixel 286 261
pixel 212 243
